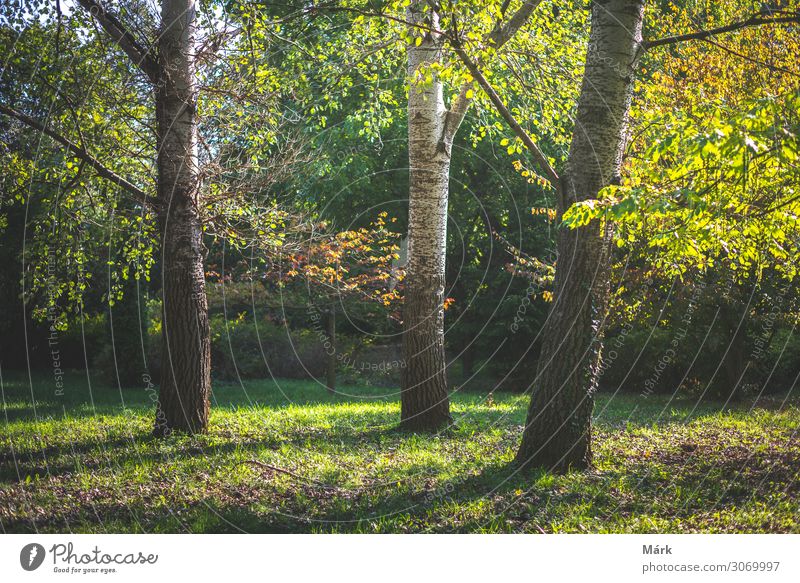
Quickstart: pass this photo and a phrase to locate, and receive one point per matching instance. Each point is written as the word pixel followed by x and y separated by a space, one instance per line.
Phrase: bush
pixel 651 363
pixel 643 360
pixel 373 364
pixel 122 355
pixel 779 368
pixel 244 349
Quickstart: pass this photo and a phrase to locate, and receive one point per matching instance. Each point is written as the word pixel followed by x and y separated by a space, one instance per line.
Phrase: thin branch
pixel 505 30
pixel 78 152
pixel 456 113
pixel 500 35
pixel 537 153
pixel 769 66
pixel 377 14
pixel 754 20
pixel 124 38
pixel 298 477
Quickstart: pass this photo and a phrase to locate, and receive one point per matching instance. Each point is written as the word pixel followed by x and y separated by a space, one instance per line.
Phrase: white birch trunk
pixel 424 397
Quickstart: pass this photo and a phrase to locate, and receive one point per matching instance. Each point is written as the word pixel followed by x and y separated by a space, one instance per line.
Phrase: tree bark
pixel 186 349
pixel 557 433
pixel 734 315
pixel 424 398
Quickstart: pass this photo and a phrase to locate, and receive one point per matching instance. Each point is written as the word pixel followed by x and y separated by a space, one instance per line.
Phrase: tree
pixel 558 427
pixel 169 59
pixel 432 127
pixel 186 380
pixel 440 92
pixel 185 386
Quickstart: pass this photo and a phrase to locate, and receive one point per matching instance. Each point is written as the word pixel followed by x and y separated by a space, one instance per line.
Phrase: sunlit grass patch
pixel 288 457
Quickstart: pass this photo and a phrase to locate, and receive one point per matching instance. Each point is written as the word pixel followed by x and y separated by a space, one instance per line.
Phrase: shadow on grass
pixel 178 493
pixel 530 500
pixel 142 448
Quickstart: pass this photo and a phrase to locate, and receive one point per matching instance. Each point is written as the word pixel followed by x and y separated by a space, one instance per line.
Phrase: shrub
pixel 241 348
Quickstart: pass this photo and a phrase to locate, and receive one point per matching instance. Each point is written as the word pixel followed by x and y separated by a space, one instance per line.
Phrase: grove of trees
pixel 515 187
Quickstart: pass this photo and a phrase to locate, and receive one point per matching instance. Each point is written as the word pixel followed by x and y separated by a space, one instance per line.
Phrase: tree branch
pixel 140 56
pixel 78 152
pixel 754 20
pixel 455 114
pixel 537 154
pixel 506 29
pixel 758 62
pixel 500 35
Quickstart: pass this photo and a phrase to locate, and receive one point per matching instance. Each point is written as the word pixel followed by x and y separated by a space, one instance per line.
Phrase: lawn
pixel 288 457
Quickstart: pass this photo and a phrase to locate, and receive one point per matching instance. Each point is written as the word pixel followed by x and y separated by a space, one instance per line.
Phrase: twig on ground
pixel 298 477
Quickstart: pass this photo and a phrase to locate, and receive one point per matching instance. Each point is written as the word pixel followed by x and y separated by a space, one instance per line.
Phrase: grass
pixel 287 457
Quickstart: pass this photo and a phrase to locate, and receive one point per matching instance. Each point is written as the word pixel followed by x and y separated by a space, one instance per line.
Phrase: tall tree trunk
pixel 557 433
pixel 424 398
pixel 734 315
pixel 186 353
pixel 330 365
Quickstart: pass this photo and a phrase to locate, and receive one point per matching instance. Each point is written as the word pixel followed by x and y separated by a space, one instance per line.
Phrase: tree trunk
pixel 424 399
pixel 330 331
pixel 734 315
pixel 186 351
pixel 557 433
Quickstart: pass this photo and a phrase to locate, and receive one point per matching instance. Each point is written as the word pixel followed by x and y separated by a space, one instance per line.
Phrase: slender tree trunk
pixel 330 331
pixel 735 306
pixel 186 354
pixel 557 433
pixel 424 398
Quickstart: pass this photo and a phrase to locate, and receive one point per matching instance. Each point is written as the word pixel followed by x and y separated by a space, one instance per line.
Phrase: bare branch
pixel 140 56
pixel 500 35
pixel 78 152
pixel 520 132
pixel 754 20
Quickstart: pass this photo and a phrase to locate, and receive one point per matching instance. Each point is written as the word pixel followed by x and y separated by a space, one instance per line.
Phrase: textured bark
pixel 424 399
pixel 557 433
pixel 186 351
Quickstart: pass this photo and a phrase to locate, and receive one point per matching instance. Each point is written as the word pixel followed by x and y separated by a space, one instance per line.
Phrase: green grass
pixel 85 462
